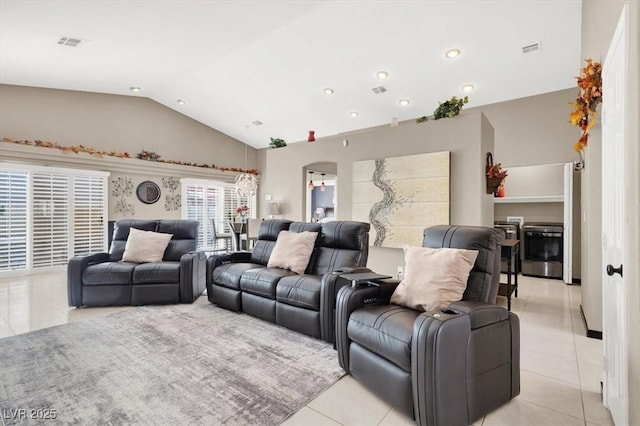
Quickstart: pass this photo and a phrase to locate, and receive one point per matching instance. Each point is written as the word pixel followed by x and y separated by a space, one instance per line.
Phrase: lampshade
pixel 273 209
pixel 323 187
pixel 310 185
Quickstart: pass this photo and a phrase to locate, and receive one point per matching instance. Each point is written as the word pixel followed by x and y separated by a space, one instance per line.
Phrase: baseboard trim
pixel 590 333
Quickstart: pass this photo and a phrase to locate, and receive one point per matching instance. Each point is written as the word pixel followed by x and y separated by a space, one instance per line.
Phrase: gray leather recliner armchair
pixel 444 367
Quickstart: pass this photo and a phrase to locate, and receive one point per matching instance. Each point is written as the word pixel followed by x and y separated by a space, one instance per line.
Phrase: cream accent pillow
pixel 434 277
pixel 145 246
pixel 292 251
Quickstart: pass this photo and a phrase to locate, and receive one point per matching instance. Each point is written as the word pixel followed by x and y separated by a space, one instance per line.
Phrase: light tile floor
pixel 561 369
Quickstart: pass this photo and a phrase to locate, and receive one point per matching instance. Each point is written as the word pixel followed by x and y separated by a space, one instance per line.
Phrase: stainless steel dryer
pixel 542 249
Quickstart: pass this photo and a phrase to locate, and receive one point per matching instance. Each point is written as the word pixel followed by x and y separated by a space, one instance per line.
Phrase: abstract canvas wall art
pixel 400 196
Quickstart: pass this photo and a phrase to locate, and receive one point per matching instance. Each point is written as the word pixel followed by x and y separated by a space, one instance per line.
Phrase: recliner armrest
pixel 386 287
pixel 192 275
pixel 329 288
pixel 75 267
pixel 481 314
pixel 349 299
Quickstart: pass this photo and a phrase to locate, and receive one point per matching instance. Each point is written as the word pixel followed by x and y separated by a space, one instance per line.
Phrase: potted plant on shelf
pixel 446 109
pixel 277 143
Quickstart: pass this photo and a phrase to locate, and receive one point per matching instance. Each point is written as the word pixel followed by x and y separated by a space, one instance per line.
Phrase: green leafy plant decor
pixel 277 143
pixel 446 109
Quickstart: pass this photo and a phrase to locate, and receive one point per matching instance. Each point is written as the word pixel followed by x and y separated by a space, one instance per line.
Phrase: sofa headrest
pixel 184 239
pixel 270 228
pixel 121 227
pixel 307 227
pixel 345 235
pixel 181 229
pixel 483 276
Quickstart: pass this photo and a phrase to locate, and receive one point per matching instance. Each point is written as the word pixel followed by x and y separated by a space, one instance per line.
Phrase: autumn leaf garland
pixel 144 155
pixel 585 106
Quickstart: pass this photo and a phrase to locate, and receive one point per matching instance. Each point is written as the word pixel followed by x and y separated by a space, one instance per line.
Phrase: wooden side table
pixel 510 252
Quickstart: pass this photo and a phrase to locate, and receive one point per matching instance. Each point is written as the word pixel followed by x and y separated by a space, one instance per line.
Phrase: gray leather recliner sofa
pixel 444 367
pixel 242 282
pixel 102 279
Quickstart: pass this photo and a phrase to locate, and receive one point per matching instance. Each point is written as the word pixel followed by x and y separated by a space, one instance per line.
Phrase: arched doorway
pixel 321 186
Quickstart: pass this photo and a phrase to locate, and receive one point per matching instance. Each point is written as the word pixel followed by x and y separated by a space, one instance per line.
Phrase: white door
pixel 567 258
pixel 613 224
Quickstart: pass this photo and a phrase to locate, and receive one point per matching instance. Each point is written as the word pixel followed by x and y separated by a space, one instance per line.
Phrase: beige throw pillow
pixel 145 246
pixel 293 251
pixel 434 277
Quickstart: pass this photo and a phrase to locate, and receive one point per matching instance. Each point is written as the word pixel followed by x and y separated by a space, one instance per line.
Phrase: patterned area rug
pixel 172 365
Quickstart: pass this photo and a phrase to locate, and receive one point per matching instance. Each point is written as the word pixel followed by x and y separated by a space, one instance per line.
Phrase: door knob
pixel 611 270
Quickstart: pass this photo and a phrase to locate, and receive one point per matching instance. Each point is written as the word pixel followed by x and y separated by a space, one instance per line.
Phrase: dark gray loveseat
pixel 305 303
pixel 101 279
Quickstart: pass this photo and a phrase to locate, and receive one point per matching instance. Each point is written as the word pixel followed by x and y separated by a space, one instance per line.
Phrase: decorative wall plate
pixel 148 192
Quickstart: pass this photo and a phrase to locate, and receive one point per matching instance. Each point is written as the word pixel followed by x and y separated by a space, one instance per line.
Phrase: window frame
pixel 70 175
pixel 223 214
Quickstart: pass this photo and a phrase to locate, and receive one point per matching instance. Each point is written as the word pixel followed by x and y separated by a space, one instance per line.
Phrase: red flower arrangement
pixel 496 171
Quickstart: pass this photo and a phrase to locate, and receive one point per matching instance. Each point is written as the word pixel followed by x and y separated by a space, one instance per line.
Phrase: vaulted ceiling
pixel 236 64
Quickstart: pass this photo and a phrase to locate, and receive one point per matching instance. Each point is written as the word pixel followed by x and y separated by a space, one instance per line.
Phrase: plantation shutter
pixel 89 211
pixel 50 230
pixel 208 201
pixel 232 201
pixel 195 202
pixel 13 220
pixel 213 214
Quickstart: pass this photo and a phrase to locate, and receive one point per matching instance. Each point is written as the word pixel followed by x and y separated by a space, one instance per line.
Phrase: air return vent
pixel 68 41
pixel 257 123
pixel 531 48
pixel 379 90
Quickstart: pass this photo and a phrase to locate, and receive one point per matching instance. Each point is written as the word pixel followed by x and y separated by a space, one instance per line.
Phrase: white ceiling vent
pixel 531 48
pixel 257 123
pixel 68 41
pixel 379 90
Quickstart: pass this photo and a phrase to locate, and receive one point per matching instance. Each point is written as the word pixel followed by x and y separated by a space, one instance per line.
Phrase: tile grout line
pixel 323 415
pixel 385 416
pixel 575 348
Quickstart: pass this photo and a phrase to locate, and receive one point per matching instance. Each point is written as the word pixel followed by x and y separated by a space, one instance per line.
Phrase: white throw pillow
pixel 434 277
pixel 145 246
pixel 293 251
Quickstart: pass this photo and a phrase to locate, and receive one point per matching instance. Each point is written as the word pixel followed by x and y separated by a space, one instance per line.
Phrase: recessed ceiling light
pixel 181 102
pixel 468 87
pixel 404 102
pixel 134 88
pixel 328 91
pixel 354 114
pixel 382 74
pixel 452 53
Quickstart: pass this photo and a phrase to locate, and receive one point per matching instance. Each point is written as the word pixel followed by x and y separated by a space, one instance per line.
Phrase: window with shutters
pixel 53 214
pixel 13 220
pixel 50 223
pixel 89 206
pixel 213 204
